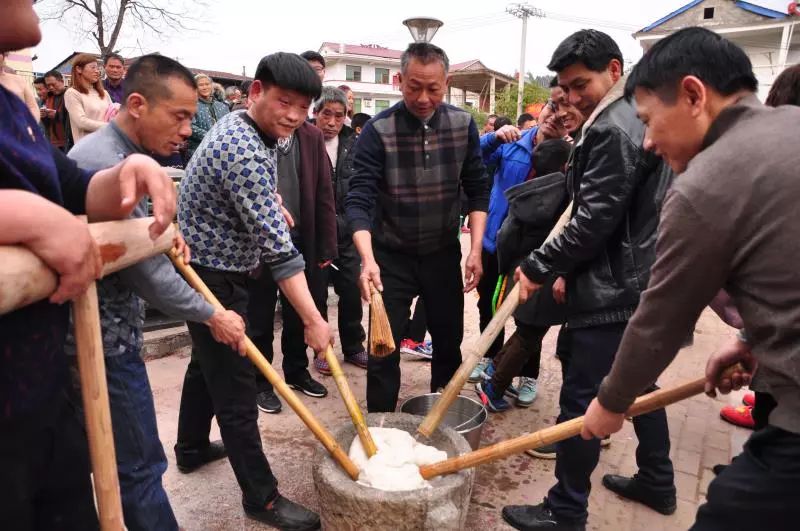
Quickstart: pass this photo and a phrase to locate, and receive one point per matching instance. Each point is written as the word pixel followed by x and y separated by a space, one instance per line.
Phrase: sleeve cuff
pixel 287 268
pixel 478 205
pixel 534 270
pixel 611 400
pixel 203 314
pixel 357 224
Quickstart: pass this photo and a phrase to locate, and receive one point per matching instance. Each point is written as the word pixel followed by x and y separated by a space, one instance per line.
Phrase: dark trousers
pixel 520 356
pixel 418 325
pixel 591 355
pixel 141 461
pixel 221 382
pixel 563 344
pixel 345 285
pixel 486 288
pixel 45 473
pixel 759 490
pixel 436 277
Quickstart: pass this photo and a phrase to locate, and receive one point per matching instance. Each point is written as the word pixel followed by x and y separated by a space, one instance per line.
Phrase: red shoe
pixel 749 399
pixel 738 416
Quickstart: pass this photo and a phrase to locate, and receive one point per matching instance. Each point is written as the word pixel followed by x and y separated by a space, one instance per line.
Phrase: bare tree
pixel 106 20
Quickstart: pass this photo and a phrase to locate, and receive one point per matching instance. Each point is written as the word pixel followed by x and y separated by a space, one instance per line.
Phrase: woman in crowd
pixel 88 104
pixel 209 111
pixel 351 100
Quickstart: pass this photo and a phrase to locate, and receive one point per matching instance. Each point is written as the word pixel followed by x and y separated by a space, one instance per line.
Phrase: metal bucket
pixel 466 416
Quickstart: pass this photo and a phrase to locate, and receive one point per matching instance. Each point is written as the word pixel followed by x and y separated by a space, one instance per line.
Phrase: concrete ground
pixel 210 499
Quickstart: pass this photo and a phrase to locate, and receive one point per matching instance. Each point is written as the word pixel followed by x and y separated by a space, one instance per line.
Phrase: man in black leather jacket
pixel 605 253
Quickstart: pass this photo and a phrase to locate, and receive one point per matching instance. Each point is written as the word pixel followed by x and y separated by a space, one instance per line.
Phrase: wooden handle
pixel 644 404
pixel 350 403
pixel 26 279
pixel 487 337
pixel 273 377
pixel 94 390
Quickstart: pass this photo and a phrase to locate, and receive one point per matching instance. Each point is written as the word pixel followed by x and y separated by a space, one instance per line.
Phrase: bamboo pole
pixel 571 428
pixel 487 337
pixel 273 377
pixel 350 403
pixel 26 279
pixel 94 390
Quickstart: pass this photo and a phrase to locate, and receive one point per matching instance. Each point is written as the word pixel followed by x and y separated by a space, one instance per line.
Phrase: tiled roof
pixel 747 6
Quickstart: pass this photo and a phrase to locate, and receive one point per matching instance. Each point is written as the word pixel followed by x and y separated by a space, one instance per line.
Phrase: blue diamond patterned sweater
pixel 227 207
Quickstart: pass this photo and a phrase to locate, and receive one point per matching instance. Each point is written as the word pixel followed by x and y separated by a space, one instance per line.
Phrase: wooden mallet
pixel 261 363
pixel 571 428
pixel 487 337
pixel 26 279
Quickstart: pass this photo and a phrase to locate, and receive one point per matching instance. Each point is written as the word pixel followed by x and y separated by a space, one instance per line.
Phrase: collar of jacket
pixel 432 123
pixel 729 116
pixel 616 93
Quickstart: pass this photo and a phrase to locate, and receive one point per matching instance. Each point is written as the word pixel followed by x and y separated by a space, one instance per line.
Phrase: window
pixel 381 105
pixel 356 105
pixel 353 73
pixel 708 13
pixel 382 76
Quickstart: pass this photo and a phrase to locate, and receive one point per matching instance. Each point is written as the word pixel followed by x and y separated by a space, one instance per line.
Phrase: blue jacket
pixel 513 162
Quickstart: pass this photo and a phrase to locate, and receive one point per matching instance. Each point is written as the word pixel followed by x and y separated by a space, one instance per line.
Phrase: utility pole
pixel 523 11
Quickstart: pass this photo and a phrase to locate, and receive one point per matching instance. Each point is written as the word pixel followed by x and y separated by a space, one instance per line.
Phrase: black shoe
pixel 284 514
pixel 534 517
pixel 268 402
pixel 308 385
pixel 191 460
pixel 543 452
pixel 629 488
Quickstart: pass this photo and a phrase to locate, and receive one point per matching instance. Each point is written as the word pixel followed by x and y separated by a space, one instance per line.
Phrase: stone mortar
pixel 348 506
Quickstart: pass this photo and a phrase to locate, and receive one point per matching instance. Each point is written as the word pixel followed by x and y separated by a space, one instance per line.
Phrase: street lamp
pixel 422 28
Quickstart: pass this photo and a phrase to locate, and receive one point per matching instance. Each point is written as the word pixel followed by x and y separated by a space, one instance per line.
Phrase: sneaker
pixel 543 452
pixel 190 460
pixel 741 416
pixel 268 402
pixel 307 385
pixel 321 365
pixel 284 514
pixel 512 391
pixel 412 348
pixel 532 517
pixel 631 489
pixel 605 442
pixel 527 391
pixel 359 359
pixel 749 399
pixel 478 372
pixel 487 395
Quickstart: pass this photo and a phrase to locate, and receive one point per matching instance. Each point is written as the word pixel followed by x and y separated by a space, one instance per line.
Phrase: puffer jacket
pixel 606 250
pixel 208 113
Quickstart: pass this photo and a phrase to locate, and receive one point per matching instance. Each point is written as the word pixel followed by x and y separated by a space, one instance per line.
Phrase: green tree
pixel 506 99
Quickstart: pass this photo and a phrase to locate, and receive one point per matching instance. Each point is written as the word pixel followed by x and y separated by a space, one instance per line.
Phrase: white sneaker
pixel 478 373
pixel 527 391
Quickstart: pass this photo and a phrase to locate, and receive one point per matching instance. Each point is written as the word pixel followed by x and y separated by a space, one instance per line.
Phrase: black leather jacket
pixel 606 250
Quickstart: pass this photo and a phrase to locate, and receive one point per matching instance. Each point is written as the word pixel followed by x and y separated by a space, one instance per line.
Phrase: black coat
pixel 606 250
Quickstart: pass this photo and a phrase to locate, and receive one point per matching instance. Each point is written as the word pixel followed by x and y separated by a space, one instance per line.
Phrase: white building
pixel 766 35
pixel 372 73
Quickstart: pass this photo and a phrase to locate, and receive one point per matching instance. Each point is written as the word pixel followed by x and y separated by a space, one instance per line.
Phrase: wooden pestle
pixel 350 403
pixel 559 432
pixel 487 337
pixel 26 279
pixel 273 377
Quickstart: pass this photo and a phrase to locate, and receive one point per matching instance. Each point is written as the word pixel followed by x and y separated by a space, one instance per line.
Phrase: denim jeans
pixel 141 461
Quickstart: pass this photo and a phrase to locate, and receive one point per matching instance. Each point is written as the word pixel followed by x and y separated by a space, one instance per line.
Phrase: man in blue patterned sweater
pixel 411 163
pixel 230 215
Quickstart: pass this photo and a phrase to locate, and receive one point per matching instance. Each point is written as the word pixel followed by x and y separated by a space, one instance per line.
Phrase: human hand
pixel 600 422
pixel 317 334
pixel 527 287
pixel 507 134
pixel 560 290
pixel 473 271
pixel 180 248
pixel 140 175
pixel 227 327
pixel 370 273
pixel 734 351
pixel 286 214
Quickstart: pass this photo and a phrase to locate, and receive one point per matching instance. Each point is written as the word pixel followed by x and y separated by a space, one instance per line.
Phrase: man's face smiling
pixel 585 88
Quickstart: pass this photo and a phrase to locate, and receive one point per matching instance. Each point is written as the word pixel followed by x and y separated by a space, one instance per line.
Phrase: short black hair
pixel 550 156
pixel 500 121
pixel 289 71
pixel 425 53
pixel 524 117
pixel 54 73
pixel 694 51
pixel 148 76
pixel 359 119
pixel 491 116
pixel 116 56
pixel 553 82
pixel 245 88
pixel 39 80
pixel 594 49
pixel 311 55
